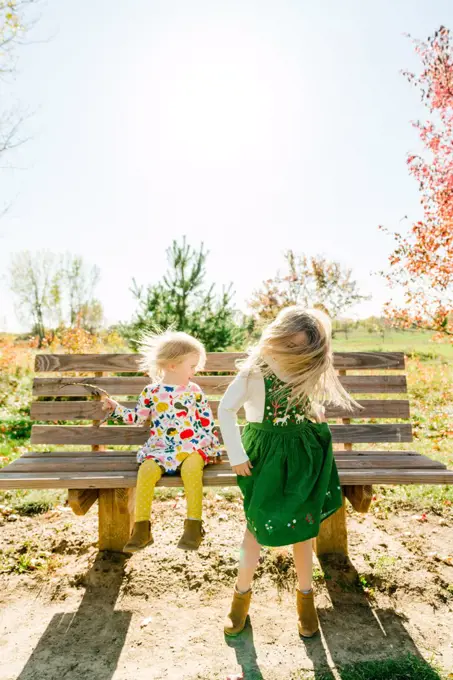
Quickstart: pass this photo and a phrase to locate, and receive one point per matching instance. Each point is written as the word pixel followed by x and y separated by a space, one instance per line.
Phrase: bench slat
pixel 384 476
pixel 126 435
pixel 42 463
pixel 61 387
pixel 353 453
pixel 92 410
pixel 117 480
pixel 124 363
pixel 216 361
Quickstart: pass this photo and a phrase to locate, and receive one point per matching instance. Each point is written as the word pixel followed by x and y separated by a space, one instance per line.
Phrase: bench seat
pixel 118 469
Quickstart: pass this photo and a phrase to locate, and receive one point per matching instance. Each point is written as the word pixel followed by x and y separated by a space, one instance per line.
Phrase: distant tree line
pixel 54 291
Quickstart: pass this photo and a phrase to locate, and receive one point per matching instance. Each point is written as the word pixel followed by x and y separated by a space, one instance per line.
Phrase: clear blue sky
pixel 252 125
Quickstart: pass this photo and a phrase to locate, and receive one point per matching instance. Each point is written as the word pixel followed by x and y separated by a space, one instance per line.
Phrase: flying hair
pixel 299 342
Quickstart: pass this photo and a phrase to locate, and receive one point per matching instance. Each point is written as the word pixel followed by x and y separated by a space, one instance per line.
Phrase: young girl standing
pixel 181 433
pixel 284 461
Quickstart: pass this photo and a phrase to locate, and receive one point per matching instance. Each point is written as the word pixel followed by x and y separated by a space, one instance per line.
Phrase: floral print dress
pixel 181 423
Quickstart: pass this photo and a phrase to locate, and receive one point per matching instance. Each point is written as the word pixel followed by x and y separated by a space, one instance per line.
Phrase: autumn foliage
pixel 307 281
pixel 422 261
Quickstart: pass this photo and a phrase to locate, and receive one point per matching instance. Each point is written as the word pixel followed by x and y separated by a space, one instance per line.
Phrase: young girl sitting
pixel 181 433
pixel 284 462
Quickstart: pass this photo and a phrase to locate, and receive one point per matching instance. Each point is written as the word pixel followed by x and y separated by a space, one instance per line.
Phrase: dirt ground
pixel 68 612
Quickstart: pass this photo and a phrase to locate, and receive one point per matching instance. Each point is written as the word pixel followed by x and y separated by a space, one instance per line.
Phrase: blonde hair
pixel 159 349
pixel 307 366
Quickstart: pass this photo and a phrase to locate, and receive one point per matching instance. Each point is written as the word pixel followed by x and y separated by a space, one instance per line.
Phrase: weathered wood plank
pixel 97 423
pixel 129 435
pixel 347 446
pixel 110 480
pixel 216 361
pixel 62 387
pixel 81 500
pixel 132 454
pixel 90 410
pixel 85 410
pixel 116 518
pixel 333 535
pixel 79 464
pixel 128 463
pixel 374 384
pixel 385 476
pixel 374 408
pixel 123 363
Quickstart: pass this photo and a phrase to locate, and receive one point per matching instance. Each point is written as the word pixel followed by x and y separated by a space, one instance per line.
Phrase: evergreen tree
pixel 184 302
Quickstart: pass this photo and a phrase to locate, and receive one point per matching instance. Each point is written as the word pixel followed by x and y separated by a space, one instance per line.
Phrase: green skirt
pixel 294 484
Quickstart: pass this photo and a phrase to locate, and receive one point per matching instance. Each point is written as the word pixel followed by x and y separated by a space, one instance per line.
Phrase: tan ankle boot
pixel 235 621
pixel 192 536
pixel 308 623
pixel 141 537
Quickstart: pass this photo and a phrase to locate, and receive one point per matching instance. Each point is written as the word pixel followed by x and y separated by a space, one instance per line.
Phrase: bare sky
pixel 252 125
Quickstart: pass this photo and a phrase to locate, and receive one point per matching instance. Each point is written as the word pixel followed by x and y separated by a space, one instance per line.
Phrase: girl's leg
pixel 303 560
pixel 149 474
pixel 248 561
pixel 192 477
pixel 308 623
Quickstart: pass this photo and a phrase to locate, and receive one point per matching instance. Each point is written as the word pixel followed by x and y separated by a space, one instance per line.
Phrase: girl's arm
pixel 132 416
pixel 234 398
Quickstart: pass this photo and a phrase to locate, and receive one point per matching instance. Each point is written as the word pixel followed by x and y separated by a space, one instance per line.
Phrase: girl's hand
pixel 108 405
pixel 243 470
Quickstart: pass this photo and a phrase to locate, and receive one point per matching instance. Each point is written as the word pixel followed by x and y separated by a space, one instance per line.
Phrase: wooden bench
pixel 109 476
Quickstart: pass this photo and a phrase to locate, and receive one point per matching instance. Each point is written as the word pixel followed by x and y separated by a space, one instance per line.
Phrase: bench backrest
pixel 373 377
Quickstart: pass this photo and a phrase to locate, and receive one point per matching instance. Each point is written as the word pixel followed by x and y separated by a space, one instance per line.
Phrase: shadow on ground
pixel 94 632
pixel 354 629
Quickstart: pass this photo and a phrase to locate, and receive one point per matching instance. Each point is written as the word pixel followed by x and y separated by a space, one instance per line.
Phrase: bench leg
pixel 116 518
pixel 333 537
pixel 81 500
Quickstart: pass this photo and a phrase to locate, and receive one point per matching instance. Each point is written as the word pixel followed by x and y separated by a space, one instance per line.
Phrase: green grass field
pixel 412 343
pixel 406 668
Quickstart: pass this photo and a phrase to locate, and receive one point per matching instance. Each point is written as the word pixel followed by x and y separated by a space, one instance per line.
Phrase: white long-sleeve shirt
pixel 247 390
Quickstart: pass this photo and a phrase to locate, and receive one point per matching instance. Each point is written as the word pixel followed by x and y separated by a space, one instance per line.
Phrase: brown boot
pixel 141 537
pixel 192 536
pixel 235 621
pixel 308 623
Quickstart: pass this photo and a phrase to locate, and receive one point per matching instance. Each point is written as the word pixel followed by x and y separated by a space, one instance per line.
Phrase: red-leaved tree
pixel 422 261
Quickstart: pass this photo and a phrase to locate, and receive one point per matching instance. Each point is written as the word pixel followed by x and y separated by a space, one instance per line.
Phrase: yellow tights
pixel 149 474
